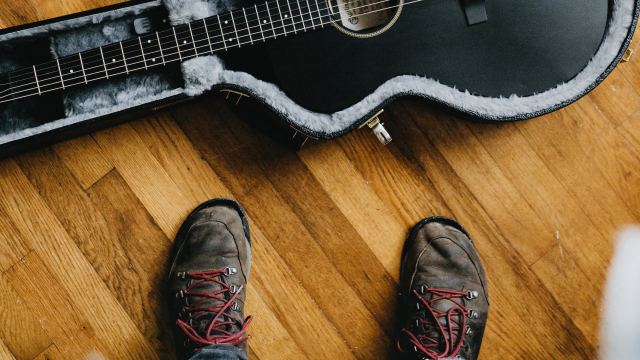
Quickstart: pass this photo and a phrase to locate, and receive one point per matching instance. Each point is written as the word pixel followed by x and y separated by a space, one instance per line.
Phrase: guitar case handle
pixel 475 10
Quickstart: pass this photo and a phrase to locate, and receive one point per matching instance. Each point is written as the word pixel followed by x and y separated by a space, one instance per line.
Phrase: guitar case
pixel 493 60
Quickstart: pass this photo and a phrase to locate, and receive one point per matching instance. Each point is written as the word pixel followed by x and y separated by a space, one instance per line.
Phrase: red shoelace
pixel 214 333
pixel 424 342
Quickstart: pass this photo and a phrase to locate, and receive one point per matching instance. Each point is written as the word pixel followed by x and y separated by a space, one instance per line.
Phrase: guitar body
pixel 525 47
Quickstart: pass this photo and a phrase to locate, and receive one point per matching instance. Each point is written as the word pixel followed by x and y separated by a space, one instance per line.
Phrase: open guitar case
pixel 39 121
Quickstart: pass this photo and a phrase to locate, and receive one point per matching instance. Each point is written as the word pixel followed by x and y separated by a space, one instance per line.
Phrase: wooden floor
pixel 86 225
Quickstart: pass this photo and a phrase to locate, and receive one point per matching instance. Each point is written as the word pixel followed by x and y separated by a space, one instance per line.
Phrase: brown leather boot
pixel 444 290
pixel 209 271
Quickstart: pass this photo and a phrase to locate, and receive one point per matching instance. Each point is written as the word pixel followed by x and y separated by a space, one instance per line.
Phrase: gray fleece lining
pixel 204 73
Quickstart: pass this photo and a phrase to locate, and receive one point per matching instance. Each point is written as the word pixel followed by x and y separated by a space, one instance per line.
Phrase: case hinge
pixel 378 128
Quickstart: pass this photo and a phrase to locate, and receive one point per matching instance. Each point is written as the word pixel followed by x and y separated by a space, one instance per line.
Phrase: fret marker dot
pixel 286 16
pixel 264 21
pixel 184 42
pixel 226 22
pixel 149 41
pixel 154 59
pixel 230 39
pixel 70 71
pixel 113 60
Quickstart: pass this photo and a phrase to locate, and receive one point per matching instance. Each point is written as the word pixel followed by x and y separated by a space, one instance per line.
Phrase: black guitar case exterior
pixel 497 60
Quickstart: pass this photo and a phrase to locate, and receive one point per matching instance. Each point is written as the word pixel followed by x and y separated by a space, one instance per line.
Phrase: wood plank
pixel 145 176
pixel 57 315
pixel 5 354
pixel 615 98
pixel 270 277
pixel 358 202
pixel 85 159
pixel 270 340
pixel 477 169
pixel 20 329
pixel 324 278
pixel 565 220
pixel 66 262
pixel 571 166
pixel 609 152
pixel 119 253
pixel 20 12
pixel 50 353
pixel 506 269
pixel 12 246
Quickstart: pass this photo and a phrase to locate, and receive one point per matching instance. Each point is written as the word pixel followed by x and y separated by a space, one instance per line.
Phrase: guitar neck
pixel 260 23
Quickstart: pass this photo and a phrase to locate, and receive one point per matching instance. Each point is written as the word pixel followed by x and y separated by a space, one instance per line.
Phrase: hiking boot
pixel 209 271
pixel 444 292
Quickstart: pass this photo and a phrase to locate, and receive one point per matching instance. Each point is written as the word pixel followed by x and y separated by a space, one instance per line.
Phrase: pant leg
pixel 219 352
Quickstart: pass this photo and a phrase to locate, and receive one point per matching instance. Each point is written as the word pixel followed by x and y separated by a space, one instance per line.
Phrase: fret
pixel 319 14
pixel 126 68
pixel 230 33
pixel 144 60
pixel 160 47
pixel 207 33
pixel 259 21
pixel 291 18
pixel 247 23
pixel 93 65
pixel 177 44
pixel 284 29
pixel 60 72
pixel 233 21
pixel 82 66
pixel 310 15
pixel 71 69
pixel 193 40
pixel 37 83
pixel 270 20
pixel 150 49
pixel 46 80
pixel 304 27
pixel 113 63
pixel 182 35
pixel 326 10
pixel 169 46
pixel 103 64
pixel 224 42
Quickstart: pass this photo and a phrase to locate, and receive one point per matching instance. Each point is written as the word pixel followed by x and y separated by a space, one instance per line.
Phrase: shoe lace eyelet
pixel 181 274
pixel 180 294
pixel 473 314
pixel 471 294
pixel 234 289
pixel 230 271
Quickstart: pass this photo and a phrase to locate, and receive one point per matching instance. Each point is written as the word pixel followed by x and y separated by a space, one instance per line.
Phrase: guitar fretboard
pixel 259 23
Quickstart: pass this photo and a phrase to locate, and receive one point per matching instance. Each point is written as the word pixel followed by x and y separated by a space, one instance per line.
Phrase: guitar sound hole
pixel 365 17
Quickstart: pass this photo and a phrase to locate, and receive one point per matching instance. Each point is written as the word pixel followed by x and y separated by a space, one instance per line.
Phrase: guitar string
pixel 28 71
pixel 201 27
pixel 135 44
pixel 301 15
pixel 43 82
pixel 190 56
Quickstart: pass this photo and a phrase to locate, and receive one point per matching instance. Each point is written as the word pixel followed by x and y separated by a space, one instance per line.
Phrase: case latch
pixel 378 128
pixel 627 56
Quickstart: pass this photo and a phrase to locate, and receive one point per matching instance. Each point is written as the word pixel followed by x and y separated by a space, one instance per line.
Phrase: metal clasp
pixel 378 128
pixel 627 54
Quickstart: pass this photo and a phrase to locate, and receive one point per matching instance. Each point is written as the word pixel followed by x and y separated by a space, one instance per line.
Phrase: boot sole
pixel 207 204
